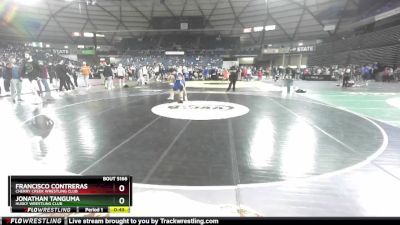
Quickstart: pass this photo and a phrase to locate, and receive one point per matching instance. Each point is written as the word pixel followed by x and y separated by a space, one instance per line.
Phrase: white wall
pixel 70 57
pixel 229 64
pixel 246 60
pixel 283 60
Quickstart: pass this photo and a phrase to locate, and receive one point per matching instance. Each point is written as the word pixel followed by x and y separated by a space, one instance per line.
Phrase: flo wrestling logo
pixel 200 110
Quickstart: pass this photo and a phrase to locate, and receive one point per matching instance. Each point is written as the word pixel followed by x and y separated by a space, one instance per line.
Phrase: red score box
pixel 53 189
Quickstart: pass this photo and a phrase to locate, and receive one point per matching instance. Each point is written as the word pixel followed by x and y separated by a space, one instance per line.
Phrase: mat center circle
pixel 200 110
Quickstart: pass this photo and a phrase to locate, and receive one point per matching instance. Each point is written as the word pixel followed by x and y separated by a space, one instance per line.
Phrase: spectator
pixel 44 76
pixel 386 74
pixel 16 81
pixel 86 71
pixel 260 73
pixel 61 71
pixel 108 75
pixel 346 77
pixel 31 70
pixel 121 75
pixel 73 72
pixel 6 78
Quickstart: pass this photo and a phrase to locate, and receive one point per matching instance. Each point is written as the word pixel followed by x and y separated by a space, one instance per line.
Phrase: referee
pixel 233 77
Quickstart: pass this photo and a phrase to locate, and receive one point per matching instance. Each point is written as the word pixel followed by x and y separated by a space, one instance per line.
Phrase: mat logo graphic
pixel 200 110
pixel 204 107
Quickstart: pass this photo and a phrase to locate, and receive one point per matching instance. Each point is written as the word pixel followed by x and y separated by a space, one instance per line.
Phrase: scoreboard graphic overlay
pixel 70 194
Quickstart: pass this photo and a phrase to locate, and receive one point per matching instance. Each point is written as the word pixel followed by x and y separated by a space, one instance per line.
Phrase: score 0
pixel 121 188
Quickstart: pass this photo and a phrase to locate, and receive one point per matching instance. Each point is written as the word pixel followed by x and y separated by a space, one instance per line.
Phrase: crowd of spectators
pixel 200 60
pixel 39 69
pixel 155 63
pixel 374 71
pixel 46 71
pixel 42 71
pixel 346 75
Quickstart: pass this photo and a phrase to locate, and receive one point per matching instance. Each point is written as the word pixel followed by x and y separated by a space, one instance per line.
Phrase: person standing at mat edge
pixel 16 81
pixel 61 71
pixel 31 70
pixel 85 71
pixel 108 75
pixel 233 77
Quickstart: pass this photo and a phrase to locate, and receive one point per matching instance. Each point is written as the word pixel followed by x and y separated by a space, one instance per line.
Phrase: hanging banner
pixel 61 51
pixel 276 50
pixel 302 49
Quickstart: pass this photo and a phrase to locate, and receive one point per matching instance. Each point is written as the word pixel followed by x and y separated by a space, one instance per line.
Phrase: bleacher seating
pixel 379 46
pixel 176 42
pixel 140 58
pixel 17 52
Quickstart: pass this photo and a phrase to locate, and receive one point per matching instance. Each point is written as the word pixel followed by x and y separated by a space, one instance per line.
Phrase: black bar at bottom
pixel 33 220
pixel 224 220
pixel 44 209
pixel 192 220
